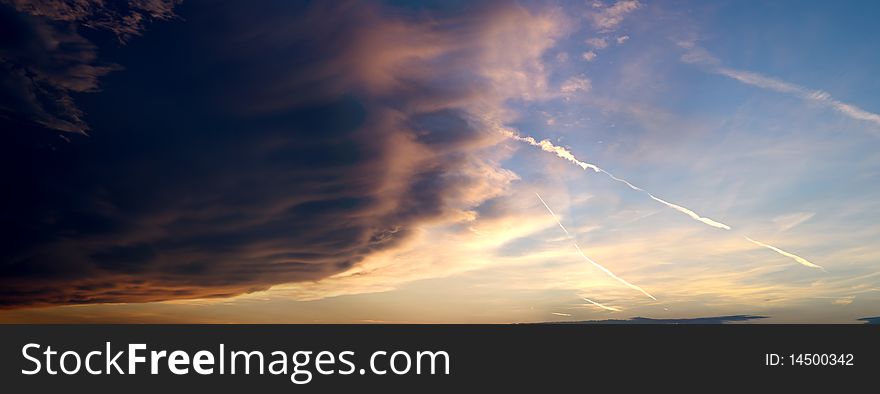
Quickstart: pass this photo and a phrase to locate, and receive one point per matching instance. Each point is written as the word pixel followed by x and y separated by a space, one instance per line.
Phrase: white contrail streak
pixel 699 56
pixel 819 96
pixel 609 308
pixel 793 256
pixel 562 314
pixel 548 146
pixel 676 207
pixel 597 265
pixel 559 151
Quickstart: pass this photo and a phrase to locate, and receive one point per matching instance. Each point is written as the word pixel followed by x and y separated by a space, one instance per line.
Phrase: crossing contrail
pixel 609 308
pixel 563 153
pixel 597 265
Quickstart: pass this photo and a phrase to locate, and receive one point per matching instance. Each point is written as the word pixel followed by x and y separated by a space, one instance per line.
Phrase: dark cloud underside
pixel 238 148
pixel 45 59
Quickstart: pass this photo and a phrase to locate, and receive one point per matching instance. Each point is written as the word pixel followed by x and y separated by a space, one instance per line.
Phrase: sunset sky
pixel 361 162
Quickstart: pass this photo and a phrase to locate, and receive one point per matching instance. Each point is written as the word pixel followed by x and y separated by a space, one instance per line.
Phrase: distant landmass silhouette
pixel 695 320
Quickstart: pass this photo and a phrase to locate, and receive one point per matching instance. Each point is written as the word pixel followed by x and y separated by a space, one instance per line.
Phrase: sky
pixel 186 161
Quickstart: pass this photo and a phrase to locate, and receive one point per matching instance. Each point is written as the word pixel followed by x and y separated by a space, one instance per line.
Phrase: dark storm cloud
pixel 125 18
pixel 45 60
pixel 248 147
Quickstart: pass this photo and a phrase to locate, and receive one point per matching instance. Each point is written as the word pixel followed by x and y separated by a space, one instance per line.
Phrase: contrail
pixel 609 308
pixel 548 146
pixel 676 207
pixel 699 56
pixel 597 265
pixel 797 258
pixel 562 314
pixel 761 81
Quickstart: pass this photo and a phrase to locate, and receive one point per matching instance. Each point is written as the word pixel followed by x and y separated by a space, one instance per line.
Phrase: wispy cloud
pixel 597 42
pixel 790 221
pixel 608 18
pixel 576 84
